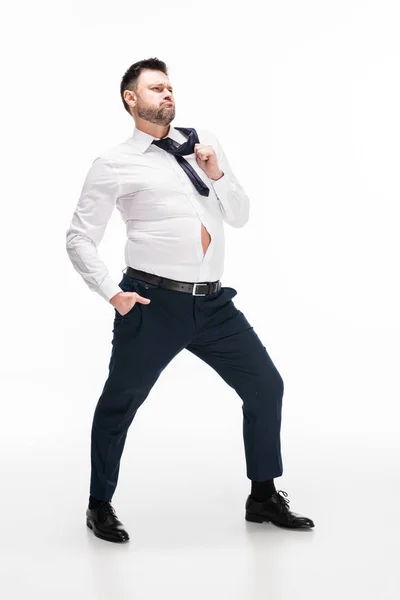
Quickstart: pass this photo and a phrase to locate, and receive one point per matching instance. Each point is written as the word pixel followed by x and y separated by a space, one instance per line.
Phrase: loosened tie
pixel 181 150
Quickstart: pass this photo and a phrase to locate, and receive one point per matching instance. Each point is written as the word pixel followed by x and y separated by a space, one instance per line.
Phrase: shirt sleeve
pixel 86 230
pixel 233 200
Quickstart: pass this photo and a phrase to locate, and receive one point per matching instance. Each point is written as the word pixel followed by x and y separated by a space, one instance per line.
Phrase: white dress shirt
pixel 162 210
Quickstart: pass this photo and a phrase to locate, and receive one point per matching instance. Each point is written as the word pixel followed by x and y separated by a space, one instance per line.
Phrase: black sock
pixel 262 490
pixel 94 502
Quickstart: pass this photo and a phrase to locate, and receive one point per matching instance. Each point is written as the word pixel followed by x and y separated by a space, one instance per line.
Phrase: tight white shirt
pixel 162 210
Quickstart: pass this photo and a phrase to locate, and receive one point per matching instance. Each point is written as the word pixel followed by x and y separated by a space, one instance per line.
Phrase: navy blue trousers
pixel 148 337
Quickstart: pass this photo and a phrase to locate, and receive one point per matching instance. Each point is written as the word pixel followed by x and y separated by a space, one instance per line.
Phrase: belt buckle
pixel 194 289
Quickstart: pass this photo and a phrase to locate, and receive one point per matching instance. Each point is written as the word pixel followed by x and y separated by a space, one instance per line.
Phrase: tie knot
pixel 166 142
pixel 172 143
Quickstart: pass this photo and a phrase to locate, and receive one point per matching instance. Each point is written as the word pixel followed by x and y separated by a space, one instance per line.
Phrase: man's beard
pixel 160 116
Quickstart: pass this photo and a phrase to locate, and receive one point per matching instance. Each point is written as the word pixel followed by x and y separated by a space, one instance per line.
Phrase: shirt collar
pixel 142 140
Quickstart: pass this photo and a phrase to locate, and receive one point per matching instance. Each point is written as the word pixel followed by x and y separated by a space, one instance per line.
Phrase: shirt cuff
pixel 108 288
pixel 222 187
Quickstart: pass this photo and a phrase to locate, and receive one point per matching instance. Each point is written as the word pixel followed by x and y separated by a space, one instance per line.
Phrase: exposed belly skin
pixel 205 238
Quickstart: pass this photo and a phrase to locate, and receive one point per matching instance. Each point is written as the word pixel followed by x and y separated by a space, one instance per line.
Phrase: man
pixel 174 189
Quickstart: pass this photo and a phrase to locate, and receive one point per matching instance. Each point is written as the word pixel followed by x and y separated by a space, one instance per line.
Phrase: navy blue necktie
pixel 179 150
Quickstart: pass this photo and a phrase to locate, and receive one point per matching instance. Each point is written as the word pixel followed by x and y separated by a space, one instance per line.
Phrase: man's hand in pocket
pixel 123 302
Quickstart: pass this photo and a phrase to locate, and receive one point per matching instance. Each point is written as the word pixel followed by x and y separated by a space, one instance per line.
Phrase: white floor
pixel 181 496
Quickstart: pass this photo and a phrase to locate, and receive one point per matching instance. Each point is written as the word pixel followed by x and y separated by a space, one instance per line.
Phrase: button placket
pixel 183 178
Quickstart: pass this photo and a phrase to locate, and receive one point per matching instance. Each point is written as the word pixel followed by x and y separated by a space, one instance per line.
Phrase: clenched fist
pixel 207 160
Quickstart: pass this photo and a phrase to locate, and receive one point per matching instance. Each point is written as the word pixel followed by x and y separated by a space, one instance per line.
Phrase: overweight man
pixel 175 191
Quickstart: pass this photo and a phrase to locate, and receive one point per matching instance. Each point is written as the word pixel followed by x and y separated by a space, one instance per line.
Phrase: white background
pixel 304 98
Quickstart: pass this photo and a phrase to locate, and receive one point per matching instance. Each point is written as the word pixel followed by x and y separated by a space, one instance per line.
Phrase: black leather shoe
pixel 275 510
pixel 105 523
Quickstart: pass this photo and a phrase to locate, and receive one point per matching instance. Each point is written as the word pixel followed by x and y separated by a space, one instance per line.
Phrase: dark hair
pixel 129 80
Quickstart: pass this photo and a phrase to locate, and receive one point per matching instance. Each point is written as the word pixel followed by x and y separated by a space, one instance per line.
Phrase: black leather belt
pixel 196 289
